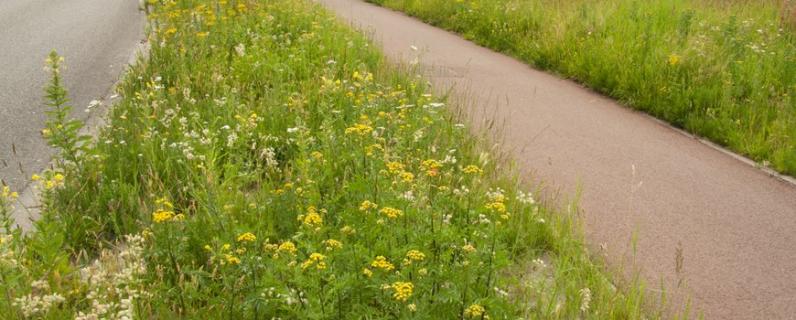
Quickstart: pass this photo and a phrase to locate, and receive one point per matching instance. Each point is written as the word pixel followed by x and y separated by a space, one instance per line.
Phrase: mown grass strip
pixel 724 70
pixel 263 162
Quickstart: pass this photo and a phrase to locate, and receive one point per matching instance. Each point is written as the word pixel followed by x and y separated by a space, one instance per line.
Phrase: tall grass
pixel 264 163
pixel 724 70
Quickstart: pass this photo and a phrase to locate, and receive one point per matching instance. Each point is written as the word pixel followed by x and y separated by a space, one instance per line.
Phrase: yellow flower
pixel 395 167
pixel 332 244
pixel 247 237
pixel 381 263
pixel 367 205
pixel 391 213
pixel 431 167
pixel 288 247
pixel 412 307
pixel 674 59
pixel 472 169
pixel 202 35
pixel 164 202
pixel 233 260
pixel 312 219
pixel 415 255
pixel 359 129
pixel 407 176
pixel 474 311
pixel 35 177
pixel 367 272
pixel 468 248
pixel 372 149
pixel 161 216
pixel 315 259
pixel 348 230
pixel 499 207
pixel 403 290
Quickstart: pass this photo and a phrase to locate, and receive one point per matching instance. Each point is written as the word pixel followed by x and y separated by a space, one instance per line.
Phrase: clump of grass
pixel 724 70
pixel 264 163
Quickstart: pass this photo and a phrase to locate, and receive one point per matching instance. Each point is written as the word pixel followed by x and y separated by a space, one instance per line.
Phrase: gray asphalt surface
pixel 97 39
pixel 734 224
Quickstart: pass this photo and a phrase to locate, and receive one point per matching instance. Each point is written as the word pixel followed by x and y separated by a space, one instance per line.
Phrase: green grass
pixel 259 163
pixel 724 70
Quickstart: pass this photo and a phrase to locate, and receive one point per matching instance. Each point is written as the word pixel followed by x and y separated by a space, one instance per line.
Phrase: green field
pixel 724 70
pixel 263 162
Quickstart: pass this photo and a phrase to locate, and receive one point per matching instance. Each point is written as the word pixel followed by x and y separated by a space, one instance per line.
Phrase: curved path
pixel 97 38
pixel 735 224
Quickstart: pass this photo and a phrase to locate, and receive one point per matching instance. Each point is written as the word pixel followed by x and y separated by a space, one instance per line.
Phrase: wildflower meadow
pixel 263 162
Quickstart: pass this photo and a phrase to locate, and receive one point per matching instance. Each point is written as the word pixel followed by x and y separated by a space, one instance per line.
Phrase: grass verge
pixel 263 162
pixel 724 70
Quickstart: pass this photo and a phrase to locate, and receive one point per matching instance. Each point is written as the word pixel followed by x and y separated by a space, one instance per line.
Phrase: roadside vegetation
pixel 263 162
pixel 724 70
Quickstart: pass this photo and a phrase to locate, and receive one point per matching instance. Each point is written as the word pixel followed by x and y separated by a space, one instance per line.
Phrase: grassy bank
pixel 724 70
pixel 263 162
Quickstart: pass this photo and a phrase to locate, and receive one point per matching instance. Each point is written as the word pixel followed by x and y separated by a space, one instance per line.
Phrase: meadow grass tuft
pixel 263 162
pixel 724 70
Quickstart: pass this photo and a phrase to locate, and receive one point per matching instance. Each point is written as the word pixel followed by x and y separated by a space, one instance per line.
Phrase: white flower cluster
pixel 34 304
pixel 113 282
pixel 585 299
pixel 525 198
pixel 7 256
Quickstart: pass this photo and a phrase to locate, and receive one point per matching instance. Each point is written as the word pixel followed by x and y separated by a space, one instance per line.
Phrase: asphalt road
pixel 733 225
pixel 97 39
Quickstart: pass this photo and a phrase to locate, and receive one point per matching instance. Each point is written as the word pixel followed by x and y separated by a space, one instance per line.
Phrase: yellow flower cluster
pixel 161 215
pixel 474 311
pixel 391 213
pixel 56 181
pixel 233 260
pixel 403 290
pixel 247 237
pixel 315 259
pixel 287 247
pixel 8 194
pixel 674 59
pixel 431 167
pixel 367 272
pixel 359 129
pixel 395 167
pixel 413 255
pixel 312 219
pixel 381 263
pixel 360 78
pixel 472 169
pixel 367 206
pixel 332 244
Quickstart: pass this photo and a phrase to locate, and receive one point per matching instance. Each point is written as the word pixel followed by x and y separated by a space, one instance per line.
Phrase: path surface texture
pixel 735 224
pixel 96 37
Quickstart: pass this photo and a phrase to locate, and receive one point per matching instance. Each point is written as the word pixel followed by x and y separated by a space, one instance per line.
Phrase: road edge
pixel 27 208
